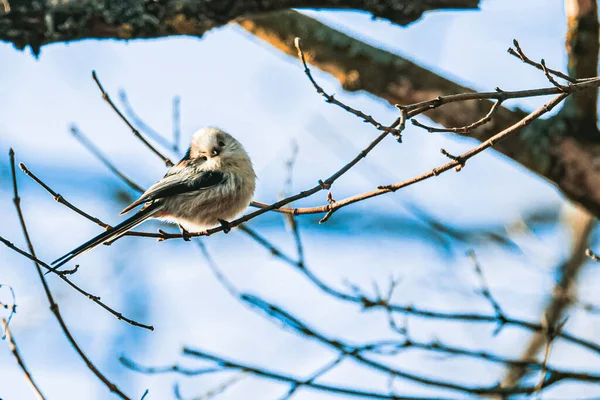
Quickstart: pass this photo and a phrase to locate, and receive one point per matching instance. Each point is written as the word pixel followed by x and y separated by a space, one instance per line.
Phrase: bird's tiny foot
pixel 225 225
pixel 184 234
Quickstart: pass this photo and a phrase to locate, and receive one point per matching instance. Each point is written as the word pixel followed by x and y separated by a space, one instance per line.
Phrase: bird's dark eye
pixel 203 158
pixel 221 143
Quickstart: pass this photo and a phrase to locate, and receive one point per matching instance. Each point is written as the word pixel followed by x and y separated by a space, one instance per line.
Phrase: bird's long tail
pixel 110 235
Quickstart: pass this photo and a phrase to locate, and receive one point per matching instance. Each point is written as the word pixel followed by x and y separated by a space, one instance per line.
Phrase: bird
pixel 211 184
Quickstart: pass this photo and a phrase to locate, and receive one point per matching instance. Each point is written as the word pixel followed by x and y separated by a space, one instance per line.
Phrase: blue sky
pixel 261 96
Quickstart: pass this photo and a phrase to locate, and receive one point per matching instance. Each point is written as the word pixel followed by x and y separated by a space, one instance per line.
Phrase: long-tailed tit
pixel 212 183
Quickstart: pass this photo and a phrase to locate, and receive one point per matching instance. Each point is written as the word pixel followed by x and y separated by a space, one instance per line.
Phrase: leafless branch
pixel 53 305
pixel 143 126
pixel 317 374
pixel 549 76
pixel 485 290
pixel 520 54
pixel 176 123
pixel 290 219
pixel 331 99
pixel 592 255
pixel 61 275
pixel 15 350
pixel 81 138
pixel 128 363
pixel 215 391
pixel 60 199
pixel 464 129
pixel 12 307
pixel 135 132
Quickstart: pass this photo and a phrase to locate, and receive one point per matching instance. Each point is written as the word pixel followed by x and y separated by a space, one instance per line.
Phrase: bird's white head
pixel 212 148
pixel 209 143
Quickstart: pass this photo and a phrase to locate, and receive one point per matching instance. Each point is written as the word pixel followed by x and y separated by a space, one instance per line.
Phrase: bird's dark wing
pixel 175 184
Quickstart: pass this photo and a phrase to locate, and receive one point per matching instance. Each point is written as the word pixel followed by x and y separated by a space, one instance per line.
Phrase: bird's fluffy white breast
pixel 204 208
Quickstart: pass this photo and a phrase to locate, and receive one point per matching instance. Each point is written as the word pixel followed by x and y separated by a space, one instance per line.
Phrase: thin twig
pixel 458 159
pixel 216 270
pixel 132 365
pixel 15 350
pixel 485 291
pixel 290 219
pixel 421 107
pixel 53 305
pixel 62 276
pixel 331 99
pixel 12 308
pixel 176 123
pixel 60 199
pixel 137 121
pixel 317 374
pixel 463 130
pixel 221 387
pixel 549 76
pixel 137 134
pixel 96 152
pixel 521 55
pixel 592 255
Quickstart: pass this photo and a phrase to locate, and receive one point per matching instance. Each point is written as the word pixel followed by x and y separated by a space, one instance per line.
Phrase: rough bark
pixel 38 22
pixel 582 49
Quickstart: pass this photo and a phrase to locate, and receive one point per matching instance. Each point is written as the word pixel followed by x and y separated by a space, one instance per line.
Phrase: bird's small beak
pixel 215 152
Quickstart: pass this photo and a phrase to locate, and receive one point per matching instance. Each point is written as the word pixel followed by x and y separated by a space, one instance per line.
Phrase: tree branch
pixel 15 350
pixel 582 48
pixel 359 66
pixel 53 305
pixel 558 148
pixel 581 224
pixel 35 23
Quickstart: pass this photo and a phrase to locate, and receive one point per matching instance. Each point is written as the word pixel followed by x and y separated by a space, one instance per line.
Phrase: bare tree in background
pixel 563 149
